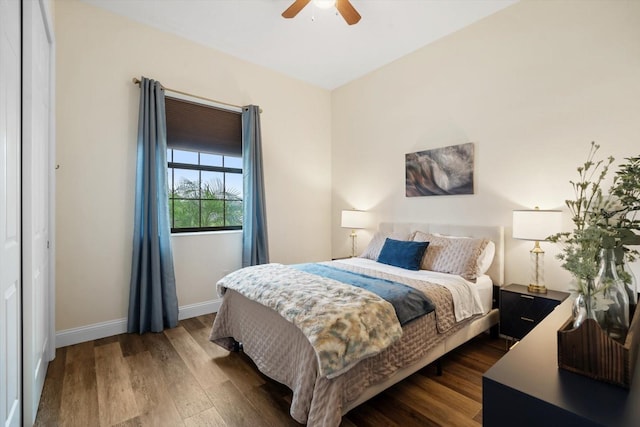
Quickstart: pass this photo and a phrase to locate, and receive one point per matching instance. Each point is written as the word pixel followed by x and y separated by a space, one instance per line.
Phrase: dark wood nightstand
pixel 521 310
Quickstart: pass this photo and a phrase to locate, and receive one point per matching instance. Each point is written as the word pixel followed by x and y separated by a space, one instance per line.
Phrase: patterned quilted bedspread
pixel 408 303
pixel 343 323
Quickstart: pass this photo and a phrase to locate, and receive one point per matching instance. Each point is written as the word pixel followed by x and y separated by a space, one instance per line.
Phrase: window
pixel 205 191
pixel 204 167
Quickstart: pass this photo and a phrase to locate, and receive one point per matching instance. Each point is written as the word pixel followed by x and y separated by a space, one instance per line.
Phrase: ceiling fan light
pixel 324 4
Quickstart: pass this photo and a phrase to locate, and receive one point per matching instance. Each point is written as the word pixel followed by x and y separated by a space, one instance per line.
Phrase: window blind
pixel 198 127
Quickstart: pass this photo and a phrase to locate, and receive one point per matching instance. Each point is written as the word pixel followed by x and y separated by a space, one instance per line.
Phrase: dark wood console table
pixel 526 387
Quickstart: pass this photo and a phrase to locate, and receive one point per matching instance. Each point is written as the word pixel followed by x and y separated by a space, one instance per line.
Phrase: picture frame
pixel 441 171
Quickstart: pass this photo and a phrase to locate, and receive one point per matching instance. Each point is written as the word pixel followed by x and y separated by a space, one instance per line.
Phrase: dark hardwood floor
pixel 179 378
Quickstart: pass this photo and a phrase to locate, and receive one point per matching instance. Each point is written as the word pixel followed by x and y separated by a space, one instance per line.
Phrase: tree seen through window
pixel 205 191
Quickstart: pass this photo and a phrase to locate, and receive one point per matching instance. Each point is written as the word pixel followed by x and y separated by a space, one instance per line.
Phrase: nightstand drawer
pixel 521 311
pixel 517 325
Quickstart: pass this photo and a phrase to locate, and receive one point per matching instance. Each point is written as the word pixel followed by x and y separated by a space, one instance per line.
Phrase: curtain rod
pixel 137 82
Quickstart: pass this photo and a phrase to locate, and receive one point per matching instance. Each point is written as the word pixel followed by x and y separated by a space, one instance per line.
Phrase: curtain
pixel 153 304
pixel 254 224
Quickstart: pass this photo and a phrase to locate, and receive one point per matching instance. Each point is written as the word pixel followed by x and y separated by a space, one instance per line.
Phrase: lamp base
pixel 537 289
pixel 354 243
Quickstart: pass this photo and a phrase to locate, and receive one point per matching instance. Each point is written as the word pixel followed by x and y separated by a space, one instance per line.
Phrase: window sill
pixel 206 233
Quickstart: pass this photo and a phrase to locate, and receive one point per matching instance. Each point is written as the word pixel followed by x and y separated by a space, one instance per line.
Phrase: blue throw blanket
pixel 409 303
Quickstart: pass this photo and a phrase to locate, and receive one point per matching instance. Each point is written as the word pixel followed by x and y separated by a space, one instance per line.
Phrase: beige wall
pixel 98 53
pixel 531 86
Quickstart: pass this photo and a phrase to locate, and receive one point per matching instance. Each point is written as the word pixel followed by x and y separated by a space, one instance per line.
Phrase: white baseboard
pixel 198 309
pixel 90 332
pixel 119 326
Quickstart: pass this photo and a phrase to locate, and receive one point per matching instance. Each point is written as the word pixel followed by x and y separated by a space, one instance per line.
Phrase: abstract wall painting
pixel 441 171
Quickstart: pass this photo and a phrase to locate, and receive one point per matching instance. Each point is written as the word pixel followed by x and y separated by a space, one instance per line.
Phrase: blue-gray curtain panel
pixel 153 304
pixel 255 248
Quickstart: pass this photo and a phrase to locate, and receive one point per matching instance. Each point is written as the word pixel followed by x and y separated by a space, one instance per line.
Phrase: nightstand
pixel 521 310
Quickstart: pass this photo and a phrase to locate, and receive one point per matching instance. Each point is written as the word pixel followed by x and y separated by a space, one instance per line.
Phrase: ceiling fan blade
pixel 295 7
pixel 348 12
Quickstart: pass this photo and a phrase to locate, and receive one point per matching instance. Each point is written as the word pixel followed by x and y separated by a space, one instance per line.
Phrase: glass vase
pixel 615 318
pixel 630 282
pixel 584 304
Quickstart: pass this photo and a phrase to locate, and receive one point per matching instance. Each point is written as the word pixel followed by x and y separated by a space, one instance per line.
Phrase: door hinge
pixel 47 244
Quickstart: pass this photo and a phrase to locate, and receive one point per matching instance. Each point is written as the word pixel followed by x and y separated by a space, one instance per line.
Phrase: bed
pixel 321 394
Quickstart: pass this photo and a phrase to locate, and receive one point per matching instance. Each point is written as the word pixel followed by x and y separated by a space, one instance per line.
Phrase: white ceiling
pixel 317 46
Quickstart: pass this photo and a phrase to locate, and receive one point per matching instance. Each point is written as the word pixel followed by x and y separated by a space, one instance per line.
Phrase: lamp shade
pixel 536 224
pixel 354 219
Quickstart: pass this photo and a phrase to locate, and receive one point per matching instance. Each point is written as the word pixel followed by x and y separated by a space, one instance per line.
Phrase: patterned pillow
pixel 486 256
pixel 374 247
pixel 451 255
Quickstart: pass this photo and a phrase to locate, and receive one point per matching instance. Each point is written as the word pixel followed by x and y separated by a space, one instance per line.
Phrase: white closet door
pixel 10 249
pixel 36 134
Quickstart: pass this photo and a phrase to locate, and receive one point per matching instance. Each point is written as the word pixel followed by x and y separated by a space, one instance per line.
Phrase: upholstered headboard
pixel 493 233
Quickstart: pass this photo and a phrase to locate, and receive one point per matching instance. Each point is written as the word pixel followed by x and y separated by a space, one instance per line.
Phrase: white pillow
pixel 486 258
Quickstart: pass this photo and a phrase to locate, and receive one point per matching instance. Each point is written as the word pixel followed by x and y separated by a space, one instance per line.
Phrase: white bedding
pixel 484 286
pixel 466 295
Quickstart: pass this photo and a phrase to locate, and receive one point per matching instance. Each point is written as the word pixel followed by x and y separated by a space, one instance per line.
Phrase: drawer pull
pixel 526 296
pixel 526 319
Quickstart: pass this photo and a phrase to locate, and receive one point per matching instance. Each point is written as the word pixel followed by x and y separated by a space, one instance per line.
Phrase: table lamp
pixel 536 225
pixel 354 220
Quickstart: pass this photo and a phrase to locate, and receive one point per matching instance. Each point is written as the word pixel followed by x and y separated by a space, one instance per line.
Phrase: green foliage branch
pixel 601 221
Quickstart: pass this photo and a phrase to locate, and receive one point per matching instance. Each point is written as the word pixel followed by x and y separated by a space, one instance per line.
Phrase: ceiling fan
pixel 345 8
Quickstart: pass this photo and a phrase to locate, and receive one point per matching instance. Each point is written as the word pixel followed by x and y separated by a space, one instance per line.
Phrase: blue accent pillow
pixel 402 254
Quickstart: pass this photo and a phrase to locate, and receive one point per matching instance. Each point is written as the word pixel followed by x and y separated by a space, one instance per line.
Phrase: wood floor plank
pixel 280 396
pixel 79 405
pixel 471 362
pixel 449 398
pixel 368 416
pixel 155 405
pixel 398 410
pixel 209 418
pixel 429 406
pixel 207 319
pixel 192 324
pixel 238 367
pixel 50 402
pixel 241 371
pixel 461 379
pixel 273 408
pixel 201 365
pixel 185 391
pixel 116 400
pixel 212 349
pixel 473 376
pixel 489 348
pixel 348 423
pixel 478 417
pixel 131 344
pixel 227 399
pixel 131 422
pixel 478 355
pixel 106 340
